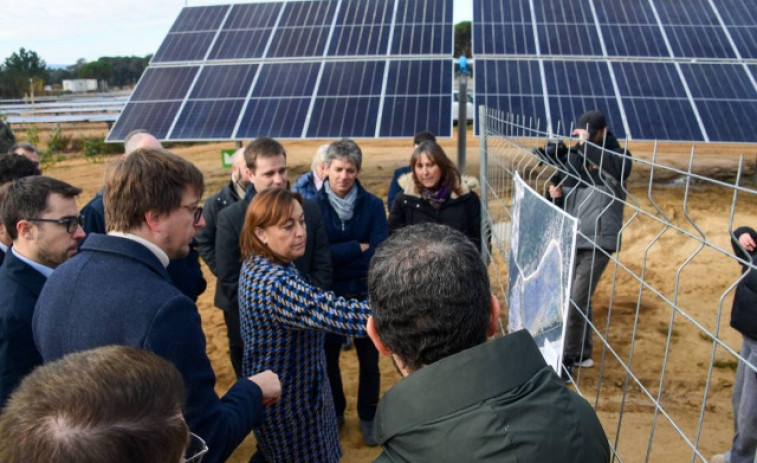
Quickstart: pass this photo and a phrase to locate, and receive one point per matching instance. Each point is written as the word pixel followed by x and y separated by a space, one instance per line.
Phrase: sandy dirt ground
pixel 701 284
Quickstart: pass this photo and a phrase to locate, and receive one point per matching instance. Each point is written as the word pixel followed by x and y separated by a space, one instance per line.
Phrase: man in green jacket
pixel 464 398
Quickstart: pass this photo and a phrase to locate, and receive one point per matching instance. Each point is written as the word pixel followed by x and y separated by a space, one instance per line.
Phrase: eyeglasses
pixel 196 211
pixel 196 449
pixel 71 223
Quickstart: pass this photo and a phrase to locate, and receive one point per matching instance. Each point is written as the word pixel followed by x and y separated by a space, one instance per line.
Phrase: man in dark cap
pixel 593 191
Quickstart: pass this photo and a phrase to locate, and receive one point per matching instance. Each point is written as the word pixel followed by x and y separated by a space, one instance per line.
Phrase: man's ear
pixel 152 219
pixel 24 229
pixel 493 316
pixel 370 327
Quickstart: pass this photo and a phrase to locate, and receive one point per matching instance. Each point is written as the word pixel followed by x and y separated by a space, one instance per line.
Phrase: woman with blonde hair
pixel 283 320
pixel 433 191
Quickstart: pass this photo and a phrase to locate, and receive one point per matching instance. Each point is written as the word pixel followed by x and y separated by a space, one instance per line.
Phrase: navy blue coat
pixel 20 285
pixel 185 273
pixel 115 291
pixel 367 225
pixel 306 186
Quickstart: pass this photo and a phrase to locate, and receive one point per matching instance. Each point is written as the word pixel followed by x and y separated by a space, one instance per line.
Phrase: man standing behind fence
pixel 594 193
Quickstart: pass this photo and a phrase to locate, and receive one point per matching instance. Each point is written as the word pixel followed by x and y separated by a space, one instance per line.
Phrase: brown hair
pixel 117 404
pixel 273 206
pixel 262 146
pixel 28 197
pixel 450 176
pixel 149 179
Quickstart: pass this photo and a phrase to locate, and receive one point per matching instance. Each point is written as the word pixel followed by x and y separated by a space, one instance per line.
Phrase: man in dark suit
pixel 266 168
pixel 11 168
pixel 185 272
pixel 40 215
pixel 117 291
pixel 229 194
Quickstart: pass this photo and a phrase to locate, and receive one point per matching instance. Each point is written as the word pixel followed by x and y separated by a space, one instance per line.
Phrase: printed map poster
pixel 540 270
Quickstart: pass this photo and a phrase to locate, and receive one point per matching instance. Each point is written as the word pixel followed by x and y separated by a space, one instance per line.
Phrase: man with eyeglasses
pixel 40 216
pixel 118 291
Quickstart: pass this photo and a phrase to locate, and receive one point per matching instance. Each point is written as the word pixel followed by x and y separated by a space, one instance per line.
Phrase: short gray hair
pixel 345 148
pixel 320 156
pixel 429 293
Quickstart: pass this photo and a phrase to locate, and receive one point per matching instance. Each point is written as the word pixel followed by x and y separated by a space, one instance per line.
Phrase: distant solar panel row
pixel 654 100
pixel 721 29
pixel 324 99
pixel 328 68
pixel 309 29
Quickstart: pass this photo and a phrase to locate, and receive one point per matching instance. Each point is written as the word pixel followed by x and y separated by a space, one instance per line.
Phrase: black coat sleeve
pixel 320 272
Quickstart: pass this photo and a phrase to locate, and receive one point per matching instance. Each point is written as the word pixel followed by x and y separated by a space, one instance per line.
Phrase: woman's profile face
pixel 286 241
pixel 427 171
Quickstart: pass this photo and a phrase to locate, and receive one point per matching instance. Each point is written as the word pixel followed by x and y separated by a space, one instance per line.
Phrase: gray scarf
pixel 344 207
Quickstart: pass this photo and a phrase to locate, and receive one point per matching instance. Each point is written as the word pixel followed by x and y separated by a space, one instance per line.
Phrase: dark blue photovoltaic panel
pixel 253 16
pixel 726 100
pixel 359 40
pixel 518 106
pixel 274 117
pixel 718 81
pixel 308 13
pixel 225 81
pixel 508 77
pixel 406 116
pixel 189 46
pixel 729 121
pixel 357 12
pixel 560 12
pixel 699 42
pixel 286 80
pixel 240 44
pixel 566 110
pixel 588 78
pixel 625 12
pixel 299 42
pixel 634 40
pixel 512 39
pixel 208 119
pixel 202 18
pixel 154 117
pixel 569 39
pixel 343 116
pixel 737 12
pixel 424 11
pixel 688 12
pixel 164 83
pixel 745 39
pixel 422 40
pixel 502 12
pixel 352 78
pixel 420 78
pixel 655 102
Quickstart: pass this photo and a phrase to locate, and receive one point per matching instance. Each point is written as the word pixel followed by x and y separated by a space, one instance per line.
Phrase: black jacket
pixel 315 265
pixel 462 212
pixel 744 311
pixel 206 238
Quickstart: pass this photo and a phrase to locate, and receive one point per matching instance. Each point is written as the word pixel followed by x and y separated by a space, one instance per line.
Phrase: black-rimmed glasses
pixel 196 212
pixel 196 449
pixel 71 223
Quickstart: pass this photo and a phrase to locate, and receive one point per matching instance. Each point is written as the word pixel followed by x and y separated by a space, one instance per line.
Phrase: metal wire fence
pixel 665 356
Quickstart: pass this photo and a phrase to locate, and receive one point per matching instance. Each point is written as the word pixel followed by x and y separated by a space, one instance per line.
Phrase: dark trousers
pixel 370 377
pixel 587 271
pixel 236 347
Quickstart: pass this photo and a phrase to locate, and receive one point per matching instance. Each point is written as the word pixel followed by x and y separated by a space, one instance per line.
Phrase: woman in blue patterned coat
pixel 283 320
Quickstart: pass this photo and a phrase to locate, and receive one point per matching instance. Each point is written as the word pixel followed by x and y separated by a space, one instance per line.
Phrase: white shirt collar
pixel 3 247
pixel 44 270
pixel 154 248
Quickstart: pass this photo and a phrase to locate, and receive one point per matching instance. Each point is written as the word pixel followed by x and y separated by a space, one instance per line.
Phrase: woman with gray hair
pixel 309 183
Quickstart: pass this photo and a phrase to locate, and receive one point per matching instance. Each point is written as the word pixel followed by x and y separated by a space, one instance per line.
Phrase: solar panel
pixel 658 69
pixel 322 68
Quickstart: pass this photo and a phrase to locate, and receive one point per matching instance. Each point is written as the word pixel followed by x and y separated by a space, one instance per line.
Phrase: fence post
pixel 483 181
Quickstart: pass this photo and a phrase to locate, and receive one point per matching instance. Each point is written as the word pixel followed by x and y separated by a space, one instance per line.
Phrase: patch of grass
pixel 663 330
pixel 726 364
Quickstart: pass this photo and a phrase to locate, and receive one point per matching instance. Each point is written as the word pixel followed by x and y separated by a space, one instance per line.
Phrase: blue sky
pixel 62 32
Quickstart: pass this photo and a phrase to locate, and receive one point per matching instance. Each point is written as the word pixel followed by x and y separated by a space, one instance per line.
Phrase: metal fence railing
pixel 665 355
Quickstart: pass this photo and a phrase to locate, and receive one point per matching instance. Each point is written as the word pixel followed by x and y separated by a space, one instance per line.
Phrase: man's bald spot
pixel 140 140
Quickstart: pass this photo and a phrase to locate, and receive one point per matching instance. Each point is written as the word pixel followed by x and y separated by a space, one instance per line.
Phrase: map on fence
pixel 540 270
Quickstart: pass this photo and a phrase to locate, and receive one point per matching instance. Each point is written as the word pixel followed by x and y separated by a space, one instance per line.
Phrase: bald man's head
pixel 139 139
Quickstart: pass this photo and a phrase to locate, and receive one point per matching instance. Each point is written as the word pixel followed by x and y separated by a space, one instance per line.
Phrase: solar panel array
pixel 299 69
pixel 658 69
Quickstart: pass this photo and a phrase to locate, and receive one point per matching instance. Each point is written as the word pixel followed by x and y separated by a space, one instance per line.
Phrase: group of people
pixel 297 272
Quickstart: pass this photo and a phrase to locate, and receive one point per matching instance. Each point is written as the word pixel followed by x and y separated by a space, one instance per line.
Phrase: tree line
pixel 24 71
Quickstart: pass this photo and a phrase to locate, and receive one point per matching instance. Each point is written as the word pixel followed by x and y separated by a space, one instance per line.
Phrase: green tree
pixel 100 70
pixel 463 39
pixel 20 70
